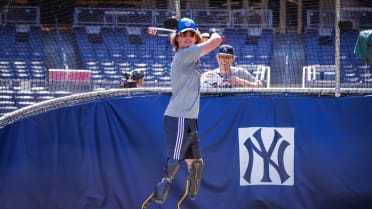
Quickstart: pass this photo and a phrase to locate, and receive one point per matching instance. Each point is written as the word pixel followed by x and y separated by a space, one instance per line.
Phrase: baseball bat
pixel 152 31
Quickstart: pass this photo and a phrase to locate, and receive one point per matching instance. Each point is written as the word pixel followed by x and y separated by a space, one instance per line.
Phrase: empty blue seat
pixel 6 109
pixel 7 76
pixel 62 93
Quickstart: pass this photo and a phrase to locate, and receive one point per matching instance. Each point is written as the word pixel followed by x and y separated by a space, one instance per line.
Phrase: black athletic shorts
pixel 181 135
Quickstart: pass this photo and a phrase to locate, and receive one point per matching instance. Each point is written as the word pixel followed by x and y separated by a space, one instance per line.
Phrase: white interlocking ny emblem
pixel 266 156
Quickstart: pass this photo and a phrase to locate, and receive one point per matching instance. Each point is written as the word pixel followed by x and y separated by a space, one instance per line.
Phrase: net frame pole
pixel 337 48
pixel 177 4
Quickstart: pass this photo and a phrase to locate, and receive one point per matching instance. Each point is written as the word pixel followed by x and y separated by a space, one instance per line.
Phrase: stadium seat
pixel 41 94
pixel 24 98
pixel 62 93
pixel 6 108
pixel 7 75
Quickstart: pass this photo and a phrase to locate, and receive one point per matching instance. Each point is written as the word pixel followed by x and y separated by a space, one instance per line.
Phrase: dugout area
pixel 260 151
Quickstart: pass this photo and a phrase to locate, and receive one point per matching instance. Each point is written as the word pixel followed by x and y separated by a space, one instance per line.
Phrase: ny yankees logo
pixel 267 155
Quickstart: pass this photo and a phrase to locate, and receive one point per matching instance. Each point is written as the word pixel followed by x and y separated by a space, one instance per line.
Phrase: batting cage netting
pixel 53 49
pixel 282 120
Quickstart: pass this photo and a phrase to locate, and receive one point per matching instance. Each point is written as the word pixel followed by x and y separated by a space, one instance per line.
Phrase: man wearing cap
pixel 133 79
pixel 226 76
pixel 180 117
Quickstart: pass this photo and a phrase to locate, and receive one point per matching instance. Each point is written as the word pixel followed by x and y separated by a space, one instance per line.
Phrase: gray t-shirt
pixel 185 83
pixel 215 78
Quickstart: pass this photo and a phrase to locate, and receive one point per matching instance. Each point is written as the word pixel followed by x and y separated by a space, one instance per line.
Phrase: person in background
pixel 132 80
pixel 226 75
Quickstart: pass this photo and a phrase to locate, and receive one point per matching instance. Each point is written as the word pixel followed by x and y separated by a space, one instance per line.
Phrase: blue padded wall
pixel 260 152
